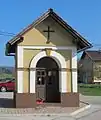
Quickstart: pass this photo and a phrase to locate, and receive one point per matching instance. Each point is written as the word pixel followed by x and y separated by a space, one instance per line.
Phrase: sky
pixel 83 15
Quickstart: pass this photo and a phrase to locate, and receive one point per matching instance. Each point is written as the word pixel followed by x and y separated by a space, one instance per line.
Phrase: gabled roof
pixel 79 40
pixel 94 55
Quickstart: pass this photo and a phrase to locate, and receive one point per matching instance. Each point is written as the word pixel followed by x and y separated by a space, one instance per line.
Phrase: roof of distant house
pixel 94 54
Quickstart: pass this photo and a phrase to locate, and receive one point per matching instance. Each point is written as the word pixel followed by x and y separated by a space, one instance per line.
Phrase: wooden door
pixel 52 86
pixel 40 84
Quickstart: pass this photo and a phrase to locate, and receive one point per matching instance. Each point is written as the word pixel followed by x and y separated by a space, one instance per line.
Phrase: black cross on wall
pixel 48 33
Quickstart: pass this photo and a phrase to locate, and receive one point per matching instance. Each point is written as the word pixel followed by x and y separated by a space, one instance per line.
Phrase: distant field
pixel 4 75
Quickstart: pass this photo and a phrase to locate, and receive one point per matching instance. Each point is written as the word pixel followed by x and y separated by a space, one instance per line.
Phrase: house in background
pixel 89 67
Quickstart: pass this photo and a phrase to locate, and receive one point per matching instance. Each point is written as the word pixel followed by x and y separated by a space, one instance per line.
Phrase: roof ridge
pixel 84 44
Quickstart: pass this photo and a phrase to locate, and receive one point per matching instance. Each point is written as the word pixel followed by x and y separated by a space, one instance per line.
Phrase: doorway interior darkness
pixel 47 80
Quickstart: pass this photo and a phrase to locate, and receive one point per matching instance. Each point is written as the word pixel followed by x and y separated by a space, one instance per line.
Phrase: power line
pixel 7 32
pixel 4 33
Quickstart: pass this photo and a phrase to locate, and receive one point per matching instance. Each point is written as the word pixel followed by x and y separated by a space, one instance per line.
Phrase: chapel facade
pixel 45 55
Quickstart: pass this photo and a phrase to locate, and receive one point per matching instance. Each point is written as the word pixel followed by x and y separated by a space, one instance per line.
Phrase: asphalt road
pixel 94 113
pixel 91 99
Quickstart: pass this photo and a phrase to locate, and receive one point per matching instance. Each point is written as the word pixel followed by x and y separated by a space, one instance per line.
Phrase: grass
pixel 90 89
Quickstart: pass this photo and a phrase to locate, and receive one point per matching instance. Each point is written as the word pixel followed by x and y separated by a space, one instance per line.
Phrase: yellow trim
pixel 26 82
pixel 68 81
pixel 48 51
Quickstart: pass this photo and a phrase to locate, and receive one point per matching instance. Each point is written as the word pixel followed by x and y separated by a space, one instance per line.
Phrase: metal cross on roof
pixel 48 33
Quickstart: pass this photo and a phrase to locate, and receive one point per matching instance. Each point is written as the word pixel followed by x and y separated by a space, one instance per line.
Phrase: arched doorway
pixel 47 80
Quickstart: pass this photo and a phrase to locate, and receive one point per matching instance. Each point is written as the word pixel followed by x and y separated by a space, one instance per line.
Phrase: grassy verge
pixel 90 89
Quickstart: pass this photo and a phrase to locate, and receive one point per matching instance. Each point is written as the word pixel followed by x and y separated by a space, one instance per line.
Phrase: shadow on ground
pixel 6 103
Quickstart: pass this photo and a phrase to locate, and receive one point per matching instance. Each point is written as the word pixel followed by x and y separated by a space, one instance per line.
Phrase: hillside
pixel 6 72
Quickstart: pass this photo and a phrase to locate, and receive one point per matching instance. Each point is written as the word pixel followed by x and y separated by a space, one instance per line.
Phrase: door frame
pixel 62 74
pixel 44 88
